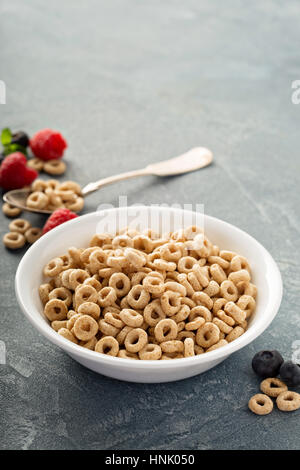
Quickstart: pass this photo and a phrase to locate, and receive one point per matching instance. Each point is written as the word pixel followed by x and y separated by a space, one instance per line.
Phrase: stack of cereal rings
pixel 143 296
pixel 21 232
pixel 51 195
pixel 52 167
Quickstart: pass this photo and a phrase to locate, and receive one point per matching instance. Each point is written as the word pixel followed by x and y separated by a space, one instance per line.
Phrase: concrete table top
pixel 129 83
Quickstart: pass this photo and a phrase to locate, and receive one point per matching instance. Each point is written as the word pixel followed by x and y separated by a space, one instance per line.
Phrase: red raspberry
pixel 58 217
pixel 48 144
pixel 14 173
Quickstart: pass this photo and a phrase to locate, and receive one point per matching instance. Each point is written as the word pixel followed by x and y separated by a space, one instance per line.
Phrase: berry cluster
pixel 271 364
pixel 46 145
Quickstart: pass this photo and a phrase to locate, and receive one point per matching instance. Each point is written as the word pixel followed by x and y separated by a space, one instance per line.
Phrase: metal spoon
pixel 194 159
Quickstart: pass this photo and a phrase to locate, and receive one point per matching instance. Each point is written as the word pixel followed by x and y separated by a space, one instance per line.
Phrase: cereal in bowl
pixel 142 296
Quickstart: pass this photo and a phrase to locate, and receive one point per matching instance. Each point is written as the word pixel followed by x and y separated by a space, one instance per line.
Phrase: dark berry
pixel 20 138
pixel 290 373
pixel 267 363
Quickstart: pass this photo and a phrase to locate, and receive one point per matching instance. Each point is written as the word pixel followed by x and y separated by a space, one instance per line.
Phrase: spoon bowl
pixel 17 198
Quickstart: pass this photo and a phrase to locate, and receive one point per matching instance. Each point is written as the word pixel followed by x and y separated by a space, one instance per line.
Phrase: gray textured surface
pixel 130 83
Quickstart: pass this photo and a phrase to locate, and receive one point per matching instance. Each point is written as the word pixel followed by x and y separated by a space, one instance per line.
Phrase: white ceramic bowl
pixel 78 232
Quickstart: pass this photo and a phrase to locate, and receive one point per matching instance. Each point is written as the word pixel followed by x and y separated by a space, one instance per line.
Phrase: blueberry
pixel 20 138
pixel 267 363
pixel 290 373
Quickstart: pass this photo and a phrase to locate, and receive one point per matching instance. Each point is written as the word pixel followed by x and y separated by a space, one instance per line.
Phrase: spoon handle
pixel 194 159
pixel 91 187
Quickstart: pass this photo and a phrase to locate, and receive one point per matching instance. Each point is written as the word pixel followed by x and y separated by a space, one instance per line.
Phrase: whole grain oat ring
pixel 185 264
pixel 238 276
pixel 201 298
pixel 176 287
pixel 121 283
pixel 85 328
pixel 131 318
pixel 56 309
pixel 44 291
pixel 76 205
pixel 36 164
pixel 122 241
pixel 136 340
pixel 70 186
pixel 189 347
pixel 33 234
pixel 85 293
pixel 114 318
pixel 121 335
pixel 200 311
pixel 37 200
pixel 65 333
pixel 39 185
pixel 138 297
pixel 91 281
pixel 108 345
pixel 207 335
pixel 217 273
pixel 213 289
pixel 171 252
pixel 135 258
pixel 14 240
pixel 218 345
pixel 235 312
pixel 11 211
pixel 172 346
pixel 260 404
pixel 195 324
pixel 143 243
pixel 61 293
pixel 235 333
pixel 127 355
pixel 182 315
pixel 58 324
pixel 19 225
pixel 54 267
pixel 89 308
pixel 89 344
pixel 150 352
pixel 166 330
pixel 153 312
pixel 170 302
pixel 273 387
pixel 153 284
pixel 288 401
pixel 54 167
pixel 77 278
pixel 224 327
pixel 246 303
pixel 107 296
pixel 164 265
pixel 229 291
pixel 107 328
pixel 97 260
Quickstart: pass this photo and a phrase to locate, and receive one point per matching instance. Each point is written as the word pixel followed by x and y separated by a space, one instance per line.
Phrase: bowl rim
pixel 218 354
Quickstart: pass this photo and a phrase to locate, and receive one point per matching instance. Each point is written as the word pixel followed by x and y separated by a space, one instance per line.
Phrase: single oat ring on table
pixel 51 195
pixel 149 297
